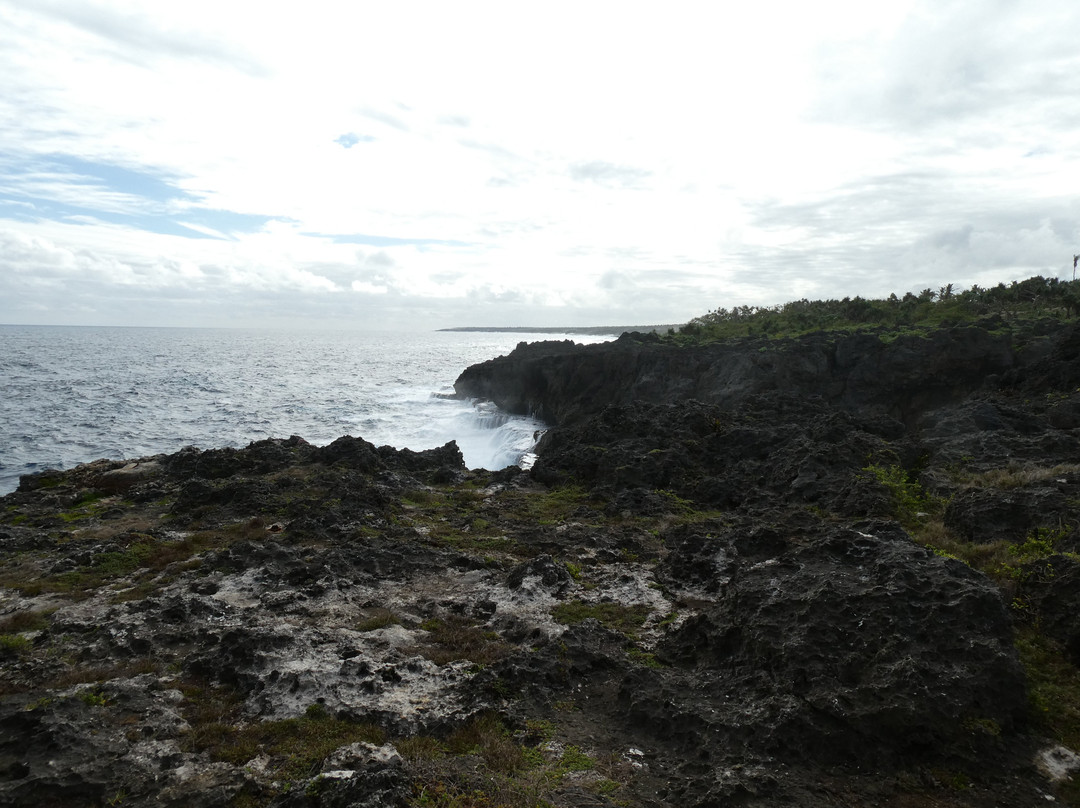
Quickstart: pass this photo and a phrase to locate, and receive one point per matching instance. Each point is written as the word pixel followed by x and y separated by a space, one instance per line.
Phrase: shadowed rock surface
pixel 718 585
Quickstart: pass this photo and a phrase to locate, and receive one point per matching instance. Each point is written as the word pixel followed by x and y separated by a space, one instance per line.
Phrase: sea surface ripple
pixel 72 394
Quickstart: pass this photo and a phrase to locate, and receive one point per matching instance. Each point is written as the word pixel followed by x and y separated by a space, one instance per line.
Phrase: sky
pixel 421 165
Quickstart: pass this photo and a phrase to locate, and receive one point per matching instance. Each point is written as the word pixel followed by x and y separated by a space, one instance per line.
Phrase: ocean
pixel 74 394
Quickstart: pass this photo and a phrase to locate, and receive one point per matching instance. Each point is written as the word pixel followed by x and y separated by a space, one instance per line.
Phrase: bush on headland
pixel 1032 298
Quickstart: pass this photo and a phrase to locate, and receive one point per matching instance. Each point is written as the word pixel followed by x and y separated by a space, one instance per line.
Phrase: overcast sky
pixel 423 165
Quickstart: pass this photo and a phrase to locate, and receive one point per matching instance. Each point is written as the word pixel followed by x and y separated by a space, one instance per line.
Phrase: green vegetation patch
pixel 1054 686
pixel 425 498
pixel 1015 475
pixel 890 318
pixel 143 552
pixel 459 517
pixel 644 658
pixel 478 542
pixel 18 622
pixel 488 737
pixel 513 774
pixel 984 556
pixel 376 619
pixel 93 697
pixel 573 759
pixel 13 645
pixel 455 638
pixel 1038 545
pixel 551 507
pixel 296 746
pixel 76 674
pixel 615 616
pixel 910 501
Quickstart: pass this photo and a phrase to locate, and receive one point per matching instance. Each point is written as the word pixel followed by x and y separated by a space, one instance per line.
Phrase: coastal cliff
pixel 831 570
pixel 901 375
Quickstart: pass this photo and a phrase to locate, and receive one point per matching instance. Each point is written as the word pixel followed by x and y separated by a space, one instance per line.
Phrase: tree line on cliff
pixel 1035 297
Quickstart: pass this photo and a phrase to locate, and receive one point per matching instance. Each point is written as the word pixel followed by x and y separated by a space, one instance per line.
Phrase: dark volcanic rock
pixel 838 645
pixel 772 446
pixel 360 775
pixel 90 745
pixel 123 479
pixel 701 594
pixel 986 516
pixel 561 382
pixel 547 573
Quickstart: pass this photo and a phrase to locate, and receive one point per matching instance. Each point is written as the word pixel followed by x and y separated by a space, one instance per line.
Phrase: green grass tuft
pixel 624 619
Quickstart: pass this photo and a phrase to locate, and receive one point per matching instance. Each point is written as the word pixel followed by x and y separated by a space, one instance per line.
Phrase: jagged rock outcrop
pixel 904 376
pixel 833 638
pixel 705 592
pixel 773 445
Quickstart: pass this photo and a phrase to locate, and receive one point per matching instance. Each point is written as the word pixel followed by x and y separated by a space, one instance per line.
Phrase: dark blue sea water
pixel 70 395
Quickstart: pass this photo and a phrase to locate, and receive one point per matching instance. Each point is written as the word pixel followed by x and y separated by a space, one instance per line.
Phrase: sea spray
pixel 76 394
pixel 491 439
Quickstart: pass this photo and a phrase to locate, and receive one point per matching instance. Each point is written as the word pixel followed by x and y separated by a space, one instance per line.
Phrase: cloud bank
pixel 423 166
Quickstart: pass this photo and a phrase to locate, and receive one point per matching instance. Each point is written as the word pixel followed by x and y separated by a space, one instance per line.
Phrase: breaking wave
pixel 77 394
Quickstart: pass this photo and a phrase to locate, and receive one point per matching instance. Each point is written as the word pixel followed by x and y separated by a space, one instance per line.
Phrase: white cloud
pixel 206 231
pixel 557 164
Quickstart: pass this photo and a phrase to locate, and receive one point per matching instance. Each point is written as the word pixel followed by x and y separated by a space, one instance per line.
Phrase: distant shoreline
pixel 593 329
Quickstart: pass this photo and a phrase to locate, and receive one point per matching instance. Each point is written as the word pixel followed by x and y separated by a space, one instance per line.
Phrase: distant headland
pixel 593 329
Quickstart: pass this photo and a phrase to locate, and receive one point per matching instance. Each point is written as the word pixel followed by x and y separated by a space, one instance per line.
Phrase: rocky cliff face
pixel 707 591
pixel 902 376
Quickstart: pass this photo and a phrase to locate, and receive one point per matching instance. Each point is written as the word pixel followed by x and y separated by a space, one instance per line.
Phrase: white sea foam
pixel 72 395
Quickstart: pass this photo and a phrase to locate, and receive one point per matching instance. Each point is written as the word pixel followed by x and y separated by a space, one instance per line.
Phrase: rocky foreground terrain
pixel 838 570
